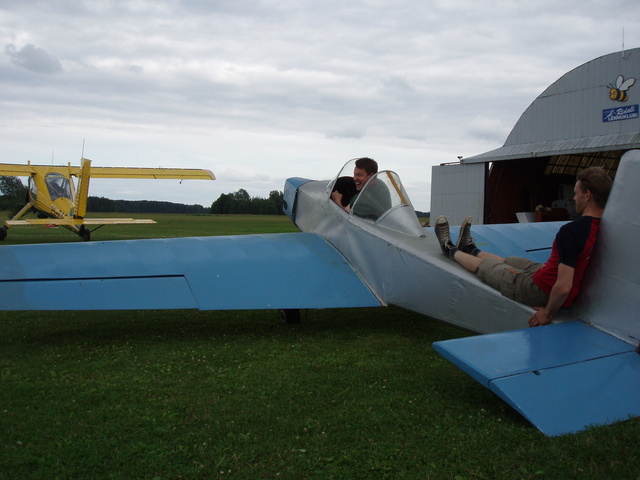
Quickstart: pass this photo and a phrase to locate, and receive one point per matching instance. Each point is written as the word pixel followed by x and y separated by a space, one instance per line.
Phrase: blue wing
pixel 563 378
pixel 528 240
pixel 278 271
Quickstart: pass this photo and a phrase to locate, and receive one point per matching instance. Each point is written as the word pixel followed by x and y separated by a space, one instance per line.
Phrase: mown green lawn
pixel 346 394
pixel 167 226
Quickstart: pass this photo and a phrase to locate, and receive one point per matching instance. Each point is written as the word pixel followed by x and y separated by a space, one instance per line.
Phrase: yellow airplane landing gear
pixel 84 233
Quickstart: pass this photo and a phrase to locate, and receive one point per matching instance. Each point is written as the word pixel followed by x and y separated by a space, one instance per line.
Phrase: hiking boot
pixel 465 242
pixel 442 233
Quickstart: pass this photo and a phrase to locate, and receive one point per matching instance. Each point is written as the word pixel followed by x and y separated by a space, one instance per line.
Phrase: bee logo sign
pixel 618 92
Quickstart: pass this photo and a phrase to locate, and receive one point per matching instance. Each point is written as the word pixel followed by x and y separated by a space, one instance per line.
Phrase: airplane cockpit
pixel 382 200
pixel 58 186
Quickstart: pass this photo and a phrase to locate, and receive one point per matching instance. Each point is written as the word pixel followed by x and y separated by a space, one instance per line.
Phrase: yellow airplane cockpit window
pixel 58 186
pixel 33 189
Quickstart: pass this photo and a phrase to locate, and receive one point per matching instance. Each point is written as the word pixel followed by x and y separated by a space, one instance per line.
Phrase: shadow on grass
pixel 50 328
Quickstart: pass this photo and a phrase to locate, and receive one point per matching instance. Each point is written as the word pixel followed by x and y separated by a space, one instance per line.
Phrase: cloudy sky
pixel 261 90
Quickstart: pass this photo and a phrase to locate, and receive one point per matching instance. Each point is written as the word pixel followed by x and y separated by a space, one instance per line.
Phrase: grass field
pixel 167 226
pixel 346 394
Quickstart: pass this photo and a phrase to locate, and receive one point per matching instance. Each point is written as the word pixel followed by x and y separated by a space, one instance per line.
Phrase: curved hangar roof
pixel 592 108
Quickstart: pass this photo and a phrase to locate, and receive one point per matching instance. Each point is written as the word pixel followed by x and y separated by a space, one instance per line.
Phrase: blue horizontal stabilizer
pixel 527 240
pixel 279 271
pixel 563 378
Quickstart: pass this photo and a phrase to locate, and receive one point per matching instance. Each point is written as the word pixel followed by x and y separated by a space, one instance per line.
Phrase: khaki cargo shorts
pixel 513 278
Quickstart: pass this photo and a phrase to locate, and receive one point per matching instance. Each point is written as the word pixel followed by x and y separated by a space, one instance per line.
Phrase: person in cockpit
pixel 374 201
pixel 364 169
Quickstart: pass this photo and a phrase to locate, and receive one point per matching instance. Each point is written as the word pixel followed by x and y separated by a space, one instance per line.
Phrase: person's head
pixel 593 184
pixel 365 168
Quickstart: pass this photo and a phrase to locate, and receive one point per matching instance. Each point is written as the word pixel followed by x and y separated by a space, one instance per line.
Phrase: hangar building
pixel 590 116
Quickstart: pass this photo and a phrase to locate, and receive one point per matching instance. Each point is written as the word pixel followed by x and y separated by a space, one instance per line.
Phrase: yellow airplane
pixel 56 200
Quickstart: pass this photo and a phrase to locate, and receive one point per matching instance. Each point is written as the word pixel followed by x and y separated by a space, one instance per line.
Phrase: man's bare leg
pixel 471 262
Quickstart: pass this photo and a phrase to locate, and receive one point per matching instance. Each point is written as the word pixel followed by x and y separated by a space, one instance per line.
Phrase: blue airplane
pixel 582 370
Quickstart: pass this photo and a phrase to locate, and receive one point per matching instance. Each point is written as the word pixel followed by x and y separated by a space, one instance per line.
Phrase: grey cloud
pixel 33 58
pixel 490 129
pixel 352 131
pixel 398 83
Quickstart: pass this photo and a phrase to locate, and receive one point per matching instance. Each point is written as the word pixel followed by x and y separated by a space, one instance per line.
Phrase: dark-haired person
pixel 364 169
pixel 376 199
pixel 554 284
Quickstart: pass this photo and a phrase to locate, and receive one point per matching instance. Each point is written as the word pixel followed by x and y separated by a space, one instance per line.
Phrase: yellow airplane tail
pixel 82 192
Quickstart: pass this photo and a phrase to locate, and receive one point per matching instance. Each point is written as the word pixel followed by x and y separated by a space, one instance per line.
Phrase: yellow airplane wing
pixel 78 221
pixel 158 173
pixel 16 170
pixel 113 172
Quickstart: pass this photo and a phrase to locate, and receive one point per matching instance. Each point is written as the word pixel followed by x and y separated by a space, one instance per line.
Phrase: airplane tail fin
pixel 82 192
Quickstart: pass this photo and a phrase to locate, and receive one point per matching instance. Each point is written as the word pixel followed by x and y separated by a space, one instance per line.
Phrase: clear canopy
pixel 58 186
pixel 383 192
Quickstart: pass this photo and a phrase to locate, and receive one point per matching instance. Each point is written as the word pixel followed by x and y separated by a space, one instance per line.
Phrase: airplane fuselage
pixel 51 194
pixel 401 261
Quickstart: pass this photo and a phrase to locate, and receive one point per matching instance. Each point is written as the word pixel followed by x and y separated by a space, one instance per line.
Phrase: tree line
pixel 241 202
pixel 13 194
pixel 102 204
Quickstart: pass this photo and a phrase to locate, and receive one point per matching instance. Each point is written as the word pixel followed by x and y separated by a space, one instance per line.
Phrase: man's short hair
pixel 596 180
pixel 367 164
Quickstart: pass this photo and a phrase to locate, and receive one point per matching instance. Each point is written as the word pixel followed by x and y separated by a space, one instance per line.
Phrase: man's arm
pixel 336 196
pixel 558 295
